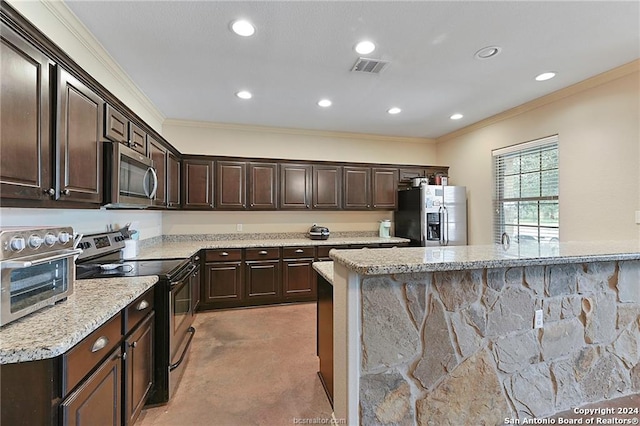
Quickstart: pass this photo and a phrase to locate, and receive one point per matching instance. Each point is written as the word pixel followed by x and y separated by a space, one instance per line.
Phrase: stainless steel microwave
pixel 130 178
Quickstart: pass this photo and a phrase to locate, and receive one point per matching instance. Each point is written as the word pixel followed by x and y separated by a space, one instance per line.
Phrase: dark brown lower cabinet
pixel 324 332
pixel 222 285
pixel 262 281
pixel 98 399
pixel 138 369
pixel 298 282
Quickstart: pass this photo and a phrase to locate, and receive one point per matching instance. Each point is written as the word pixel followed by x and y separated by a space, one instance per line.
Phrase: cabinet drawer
pixel 87 354
pixel 223 255
pixel 323 251
pixel 263 253
pixel 297 252
pixel 137 310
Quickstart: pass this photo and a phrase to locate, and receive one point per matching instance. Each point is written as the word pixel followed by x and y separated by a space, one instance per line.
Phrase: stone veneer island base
pixel 446 336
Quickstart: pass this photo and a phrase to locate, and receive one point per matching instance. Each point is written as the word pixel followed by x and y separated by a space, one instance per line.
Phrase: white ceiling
pixel 183 56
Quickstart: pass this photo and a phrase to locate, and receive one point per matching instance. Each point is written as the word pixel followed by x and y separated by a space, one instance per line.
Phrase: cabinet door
pixel 327 187
pixel 25 126
pixel 298 280
pixel 295 186
pixel 79 141
pixel 158 154
pixel 231 185
pixel 262 281
pixel 138 369
pixel 98 399
pixel 223 282
pixel 116 125
pixel 263 186
pixel 137 139
pixel 385 188
pixel 357 188
pixel 173 181
pixel 198 184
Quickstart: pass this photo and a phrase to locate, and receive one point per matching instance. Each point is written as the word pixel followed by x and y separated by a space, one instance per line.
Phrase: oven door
pixel 31 283
pixel 181 331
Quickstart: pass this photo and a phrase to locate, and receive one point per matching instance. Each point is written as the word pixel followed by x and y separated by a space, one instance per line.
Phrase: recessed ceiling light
pixel 365 47
pixel 456 116
pixel 243 94
pixel 394 110
pixel 545 76
pixel 324 103
pixel 243 28
pixel 488 52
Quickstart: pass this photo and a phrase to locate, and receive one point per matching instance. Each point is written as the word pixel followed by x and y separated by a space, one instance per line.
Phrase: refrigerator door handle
pixel 446 225
pixel 442 226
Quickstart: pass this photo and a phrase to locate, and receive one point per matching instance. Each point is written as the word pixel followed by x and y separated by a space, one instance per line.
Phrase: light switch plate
pixel 638 217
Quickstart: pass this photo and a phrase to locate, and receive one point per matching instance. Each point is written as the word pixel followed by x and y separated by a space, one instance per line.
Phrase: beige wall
pixel 192 137
pixel 57 22
pixel 599 146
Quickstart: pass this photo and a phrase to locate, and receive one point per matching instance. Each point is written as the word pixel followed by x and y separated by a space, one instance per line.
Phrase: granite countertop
pixel 426 259
pixel 183 249
pixel 325 269
pixel 54 330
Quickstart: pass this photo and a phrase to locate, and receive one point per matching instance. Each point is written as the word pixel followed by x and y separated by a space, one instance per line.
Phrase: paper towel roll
pixel 130 250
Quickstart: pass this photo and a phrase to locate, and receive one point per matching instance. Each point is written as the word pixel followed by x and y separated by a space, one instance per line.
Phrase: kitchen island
pixel 446 336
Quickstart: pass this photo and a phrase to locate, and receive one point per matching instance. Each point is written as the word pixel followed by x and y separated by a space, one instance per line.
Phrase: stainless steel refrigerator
pixel 432 215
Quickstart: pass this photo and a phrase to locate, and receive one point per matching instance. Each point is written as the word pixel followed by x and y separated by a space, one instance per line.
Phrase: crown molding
pixel 291 131
pixel 605 77
pixel 82 34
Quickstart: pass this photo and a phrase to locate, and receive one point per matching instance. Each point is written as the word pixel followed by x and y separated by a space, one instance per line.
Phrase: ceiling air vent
pixel 371 66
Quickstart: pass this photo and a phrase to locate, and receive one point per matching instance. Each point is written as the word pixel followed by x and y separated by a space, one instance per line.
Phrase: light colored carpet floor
pixel 254 366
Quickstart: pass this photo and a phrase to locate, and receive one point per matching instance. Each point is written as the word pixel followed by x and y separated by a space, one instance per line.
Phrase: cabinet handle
pixel 224 253
pixel 142 305
pixel 100 344
pixel 299 251
pixel 262 252
pixel 50 191
pixel 66 192
pixel 134 344
pixel 307 205
pixel 196 258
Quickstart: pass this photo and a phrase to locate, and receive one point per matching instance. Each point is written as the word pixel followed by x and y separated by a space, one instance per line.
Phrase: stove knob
pixel 63 237
pixel 50 239
pixel 35 241
pixel 17 244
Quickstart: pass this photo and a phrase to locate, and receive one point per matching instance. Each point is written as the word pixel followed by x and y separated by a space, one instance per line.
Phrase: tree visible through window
pixel 526 202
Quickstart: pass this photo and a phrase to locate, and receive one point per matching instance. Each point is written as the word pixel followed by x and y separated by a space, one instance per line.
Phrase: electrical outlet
pixel 239 227
pixel 537 323
pixel 638 217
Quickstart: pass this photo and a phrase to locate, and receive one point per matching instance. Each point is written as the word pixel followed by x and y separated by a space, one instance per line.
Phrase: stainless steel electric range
pixel 174 302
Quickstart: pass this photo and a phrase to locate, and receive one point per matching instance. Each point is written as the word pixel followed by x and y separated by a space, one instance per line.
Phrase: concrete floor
pixel 253 366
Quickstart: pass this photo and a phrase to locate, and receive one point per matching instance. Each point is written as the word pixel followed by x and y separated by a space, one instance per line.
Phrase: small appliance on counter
pixel 37 269
pixel 385 229
pixel 318 232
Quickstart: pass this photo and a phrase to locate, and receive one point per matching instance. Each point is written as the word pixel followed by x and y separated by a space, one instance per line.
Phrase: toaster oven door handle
pixel 27 263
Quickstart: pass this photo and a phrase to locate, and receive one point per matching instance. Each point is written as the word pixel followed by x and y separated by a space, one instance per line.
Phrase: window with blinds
pixel 526 203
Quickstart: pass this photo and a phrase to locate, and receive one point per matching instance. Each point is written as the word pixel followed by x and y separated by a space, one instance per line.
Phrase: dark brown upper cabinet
pixel 406 174
pixel 118 128
pixel 385 188
pixel 173 181
pixel 197 178
pixel 263 186
pixel 327 187
pixel 357 188
pixel 158 153
pixel 295 186
pixel 79 140
pixel 231 185
pixel 26 77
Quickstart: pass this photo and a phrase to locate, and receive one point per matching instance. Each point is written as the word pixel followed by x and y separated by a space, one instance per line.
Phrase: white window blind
pixel 526 203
